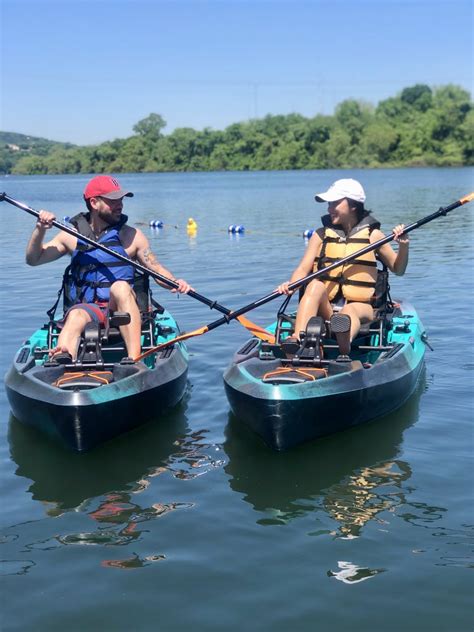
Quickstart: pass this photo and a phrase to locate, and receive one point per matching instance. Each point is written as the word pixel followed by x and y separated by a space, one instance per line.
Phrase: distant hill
pixel 14 146
pixel 25 142
pixel 420 126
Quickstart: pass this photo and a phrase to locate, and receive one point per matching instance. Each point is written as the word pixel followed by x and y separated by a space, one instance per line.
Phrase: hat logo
pixel 115 182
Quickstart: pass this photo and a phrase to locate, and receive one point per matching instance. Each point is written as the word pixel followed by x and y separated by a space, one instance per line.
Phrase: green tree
pixel 353 116
pixel 150 127
pixel 418 97
pixel 419 126
pixel 133 156
pixel 465 133
pixel 30 165
pixel 337 149
pixel 378 142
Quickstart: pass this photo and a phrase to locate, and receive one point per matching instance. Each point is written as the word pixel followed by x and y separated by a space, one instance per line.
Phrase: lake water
pixel 191 521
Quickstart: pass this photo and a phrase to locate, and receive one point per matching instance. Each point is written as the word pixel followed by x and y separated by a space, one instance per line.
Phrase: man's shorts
pixel 97 311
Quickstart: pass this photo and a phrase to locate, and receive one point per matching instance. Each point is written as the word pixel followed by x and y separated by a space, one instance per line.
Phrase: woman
pixel 344 295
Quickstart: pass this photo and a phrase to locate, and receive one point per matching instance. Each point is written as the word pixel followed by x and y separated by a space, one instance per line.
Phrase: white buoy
pixel 236 228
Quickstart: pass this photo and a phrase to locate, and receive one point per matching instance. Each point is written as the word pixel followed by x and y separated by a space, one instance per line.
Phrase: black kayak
pixel 103 394
pixel 288 397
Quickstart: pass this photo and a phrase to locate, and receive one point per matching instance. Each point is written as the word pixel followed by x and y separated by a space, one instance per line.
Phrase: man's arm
pixel 38 253
pixel 146 257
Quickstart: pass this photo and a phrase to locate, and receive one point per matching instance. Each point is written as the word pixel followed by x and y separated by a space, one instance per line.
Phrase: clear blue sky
pixel 85 72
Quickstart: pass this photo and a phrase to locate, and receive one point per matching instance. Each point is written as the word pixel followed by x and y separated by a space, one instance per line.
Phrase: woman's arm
pixel 306 264
pixel 396 262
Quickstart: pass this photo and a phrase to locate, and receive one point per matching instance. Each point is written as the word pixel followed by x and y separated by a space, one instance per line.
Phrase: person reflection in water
pixel 366 494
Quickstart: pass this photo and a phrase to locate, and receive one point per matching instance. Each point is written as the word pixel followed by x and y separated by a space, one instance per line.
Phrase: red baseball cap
pixel 105 186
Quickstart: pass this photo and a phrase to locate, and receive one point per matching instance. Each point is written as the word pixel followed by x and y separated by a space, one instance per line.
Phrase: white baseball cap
pixel 345 188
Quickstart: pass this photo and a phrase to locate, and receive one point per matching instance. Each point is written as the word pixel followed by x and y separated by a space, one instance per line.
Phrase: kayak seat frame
pixel 97 342
pixel 310 351
pixel 109 339
pixel 371 337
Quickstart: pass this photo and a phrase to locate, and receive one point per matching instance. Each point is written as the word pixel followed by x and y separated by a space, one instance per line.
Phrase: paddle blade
pixel 168 343
pixel 467 198
pixel 256 330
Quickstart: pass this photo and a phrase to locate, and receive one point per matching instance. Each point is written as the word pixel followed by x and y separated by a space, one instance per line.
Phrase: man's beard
pixel 109 218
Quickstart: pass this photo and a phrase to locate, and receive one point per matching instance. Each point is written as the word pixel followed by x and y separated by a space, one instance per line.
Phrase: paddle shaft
pixel 138 266
pixel 314 275
pixel 296 284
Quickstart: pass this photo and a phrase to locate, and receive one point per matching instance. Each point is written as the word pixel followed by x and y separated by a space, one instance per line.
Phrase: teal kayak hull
pixel 82 417
pixel 286 414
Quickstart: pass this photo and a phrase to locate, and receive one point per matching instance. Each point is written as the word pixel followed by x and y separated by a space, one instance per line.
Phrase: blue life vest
pixel 92 270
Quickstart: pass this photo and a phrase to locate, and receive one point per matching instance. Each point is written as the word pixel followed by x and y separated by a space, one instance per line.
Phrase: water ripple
pixel 349 573
pixel 15 567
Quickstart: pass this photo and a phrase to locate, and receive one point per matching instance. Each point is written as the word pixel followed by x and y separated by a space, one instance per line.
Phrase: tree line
pixel 421 126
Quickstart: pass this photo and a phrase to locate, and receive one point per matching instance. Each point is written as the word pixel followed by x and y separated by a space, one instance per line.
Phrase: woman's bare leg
pixel 315 302
pixel 359 313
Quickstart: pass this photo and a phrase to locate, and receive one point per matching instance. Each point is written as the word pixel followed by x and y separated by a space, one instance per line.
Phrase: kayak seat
pixel 110 337
pixel 374 330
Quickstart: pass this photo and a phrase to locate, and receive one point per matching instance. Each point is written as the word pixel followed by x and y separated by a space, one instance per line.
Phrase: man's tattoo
pixel 149 256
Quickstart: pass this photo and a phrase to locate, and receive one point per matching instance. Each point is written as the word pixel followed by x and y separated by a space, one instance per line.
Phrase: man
pixel 100 282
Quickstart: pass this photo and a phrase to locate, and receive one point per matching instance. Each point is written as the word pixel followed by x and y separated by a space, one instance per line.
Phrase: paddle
pixel 256 330
pixel 314 275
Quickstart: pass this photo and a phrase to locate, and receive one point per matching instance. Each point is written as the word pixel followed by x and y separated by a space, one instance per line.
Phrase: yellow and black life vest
pixel 356 280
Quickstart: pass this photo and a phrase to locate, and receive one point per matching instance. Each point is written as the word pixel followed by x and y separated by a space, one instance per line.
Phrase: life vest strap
pixel 94 284
pixel 83 247
pixel 93 266
pixel 347 240
pixel 330 260
pixel 357 240
pixel 370 284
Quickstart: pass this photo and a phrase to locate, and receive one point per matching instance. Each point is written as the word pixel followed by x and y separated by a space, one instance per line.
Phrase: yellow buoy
pixel 191 227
